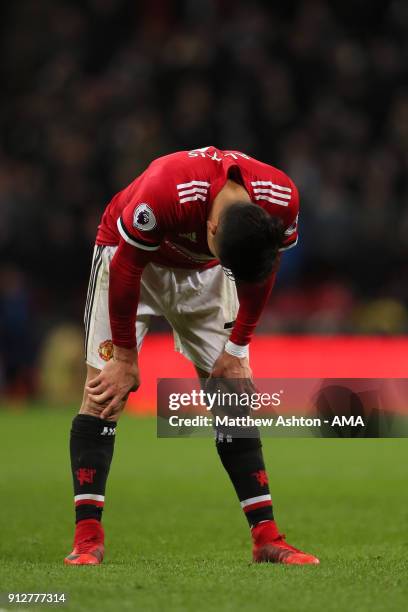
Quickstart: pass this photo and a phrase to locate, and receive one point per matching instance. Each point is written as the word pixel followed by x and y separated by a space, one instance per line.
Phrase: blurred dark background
pixel 93 90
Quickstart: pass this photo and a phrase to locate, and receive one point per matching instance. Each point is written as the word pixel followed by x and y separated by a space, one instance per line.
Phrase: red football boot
pixel 270 547
pixel 88 544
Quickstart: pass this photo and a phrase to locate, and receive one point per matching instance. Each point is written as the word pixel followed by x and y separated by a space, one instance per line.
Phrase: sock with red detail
pixel 91 447
pixel 243 460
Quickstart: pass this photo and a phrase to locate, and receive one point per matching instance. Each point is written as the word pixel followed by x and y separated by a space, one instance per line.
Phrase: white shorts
pixel 200 306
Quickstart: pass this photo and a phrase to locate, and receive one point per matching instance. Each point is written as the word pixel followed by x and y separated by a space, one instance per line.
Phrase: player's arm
pixel 121 373
pixel 234 362
pixel 139 237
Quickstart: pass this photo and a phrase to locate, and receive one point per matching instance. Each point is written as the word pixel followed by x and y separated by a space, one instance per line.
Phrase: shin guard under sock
pixel 243 460
pixel 91 447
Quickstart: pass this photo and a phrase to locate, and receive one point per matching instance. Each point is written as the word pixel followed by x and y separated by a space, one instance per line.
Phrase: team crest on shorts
pixel 143 218
pixel 106 350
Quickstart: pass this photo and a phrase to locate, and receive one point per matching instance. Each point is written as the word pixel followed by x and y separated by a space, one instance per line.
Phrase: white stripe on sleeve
pixel 134 242
pixel 192 183
pixel 273 200
pixel 270 184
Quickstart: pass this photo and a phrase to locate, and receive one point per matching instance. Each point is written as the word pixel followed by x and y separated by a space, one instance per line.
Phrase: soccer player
pixel 162 248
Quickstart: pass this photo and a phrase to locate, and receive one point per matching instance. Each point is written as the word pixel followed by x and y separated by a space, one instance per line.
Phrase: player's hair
pixel 248 241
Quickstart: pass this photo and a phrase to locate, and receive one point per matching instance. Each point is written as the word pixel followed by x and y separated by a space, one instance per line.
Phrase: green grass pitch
pixel 176 537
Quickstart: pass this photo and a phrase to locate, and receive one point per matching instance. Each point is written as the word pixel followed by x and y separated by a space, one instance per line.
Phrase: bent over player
pixel 160 249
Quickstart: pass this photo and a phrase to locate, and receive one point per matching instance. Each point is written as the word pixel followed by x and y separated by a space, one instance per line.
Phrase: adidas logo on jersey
pixel 193 191
pixel 276 194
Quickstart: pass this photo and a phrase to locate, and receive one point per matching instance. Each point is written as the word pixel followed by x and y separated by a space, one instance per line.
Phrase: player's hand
pixel 230 375
pixel 229 366
pixel 113 384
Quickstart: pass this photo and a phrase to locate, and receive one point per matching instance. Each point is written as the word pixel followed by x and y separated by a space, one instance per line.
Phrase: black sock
pixel 243 460
pixel 91 448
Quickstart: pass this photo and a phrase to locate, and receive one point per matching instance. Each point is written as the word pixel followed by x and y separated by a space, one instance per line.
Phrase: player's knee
pixel 90 408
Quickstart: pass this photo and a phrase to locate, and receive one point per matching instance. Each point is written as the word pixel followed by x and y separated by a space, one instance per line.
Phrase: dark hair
pixel 248 241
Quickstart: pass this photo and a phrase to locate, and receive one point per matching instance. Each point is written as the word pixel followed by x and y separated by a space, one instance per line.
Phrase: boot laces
pixel 84 545
pixel 281 540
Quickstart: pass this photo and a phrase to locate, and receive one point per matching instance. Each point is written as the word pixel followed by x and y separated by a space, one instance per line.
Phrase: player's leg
pixel 201 336
pixel 242 459
pixel 92 442
pixel 92 438
pixel 202 329
pixel 91 446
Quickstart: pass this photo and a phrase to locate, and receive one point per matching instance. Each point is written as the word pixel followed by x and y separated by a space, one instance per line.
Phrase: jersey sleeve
pixel 142 225
pixel 290 234
pixel 252 299
pixel 125 274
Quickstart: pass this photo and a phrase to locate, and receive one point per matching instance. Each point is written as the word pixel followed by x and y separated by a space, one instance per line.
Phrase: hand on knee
pixel 93 409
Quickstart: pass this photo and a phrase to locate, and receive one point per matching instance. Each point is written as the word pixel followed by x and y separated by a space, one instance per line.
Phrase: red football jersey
pixel 165 209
